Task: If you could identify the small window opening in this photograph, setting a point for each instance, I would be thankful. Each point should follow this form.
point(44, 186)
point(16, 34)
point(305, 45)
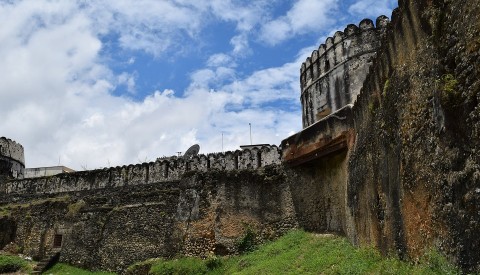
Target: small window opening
point(57, 241)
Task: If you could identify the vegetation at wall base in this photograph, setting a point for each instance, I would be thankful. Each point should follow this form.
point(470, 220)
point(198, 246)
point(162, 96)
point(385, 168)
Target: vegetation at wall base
point(247, 242)
point(10, 264)
point(299, 252)
point(65, 269)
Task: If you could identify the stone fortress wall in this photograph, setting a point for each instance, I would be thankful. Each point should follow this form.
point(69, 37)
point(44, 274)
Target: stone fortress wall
point(333, 76)
point(386, 172)
point(12, 160)
point(110, 218)
point(162, 170)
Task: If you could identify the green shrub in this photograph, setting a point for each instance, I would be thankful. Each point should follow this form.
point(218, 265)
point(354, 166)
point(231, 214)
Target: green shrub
point(449, 84)
point(141, 268)
point(449, 95)
point(74, 208)
point(62, 269)
point(434, 262)
point(10, 264)
point(213, 262)
point(247, 242)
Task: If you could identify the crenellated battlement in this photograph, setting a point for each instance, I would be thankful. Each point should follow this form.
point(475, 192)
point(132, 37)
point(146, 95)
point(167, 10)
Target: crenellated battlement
point(334, 73)
point(162, 170)
point(397, 170)
point(12, 160)
point(11, 149)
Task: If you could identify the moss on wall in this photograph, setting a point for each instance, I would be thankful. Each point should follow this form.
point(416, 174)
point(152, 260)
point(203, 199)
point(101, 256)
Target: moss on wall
point(413, 173)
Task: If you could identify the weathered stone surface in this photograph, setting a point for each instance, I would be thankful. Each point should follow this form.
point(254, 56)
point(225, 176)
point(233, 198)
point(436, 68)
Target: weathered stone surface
point(12, 160)
point(403, 174)
point(163, 170)
point(413, 173)
point(412, 180)
point(333, 76)
point(319, 191)
point(201, 214)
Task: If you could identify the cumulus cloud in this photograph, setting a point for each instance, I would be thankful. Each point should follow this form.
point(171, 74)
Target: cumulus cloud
point(160, 27)
point(60, 98)
point(220, 59)
point(372, 8)
point(245, 14)
point(127, 80)
point(152, 26)
point(240, 45)
point(268, 85)
point(58, 95)
point(304, 16)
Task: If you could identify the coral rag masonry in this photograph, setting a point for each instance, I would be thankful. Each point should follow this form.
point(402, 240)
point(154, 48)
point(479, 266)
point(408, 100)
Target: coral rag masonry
point(389, 156)
point(332, 77)
point(163, 170)
point(111, 218)
point(12, 160)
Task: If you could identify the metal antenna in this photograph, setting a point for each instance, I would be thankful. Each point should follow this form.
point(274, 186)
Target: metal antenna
point(192, 151)
point(250, 124)
point(222, 143)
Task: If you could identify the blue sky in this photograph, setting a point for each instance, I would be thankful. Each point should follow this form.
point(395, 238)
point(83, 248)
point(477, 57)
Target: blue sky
point(92, 84)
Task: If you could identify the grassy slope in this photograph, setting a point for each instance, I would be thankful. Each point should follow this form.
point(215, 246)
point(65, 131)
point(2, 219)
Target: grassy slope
point(297, 252)
point(64, 269)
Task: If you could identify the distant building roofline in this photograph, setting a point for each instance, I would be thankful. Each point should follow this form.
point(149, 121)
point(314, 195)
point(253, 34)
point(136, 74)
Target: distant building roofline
point(64, 168)
point(46, 171)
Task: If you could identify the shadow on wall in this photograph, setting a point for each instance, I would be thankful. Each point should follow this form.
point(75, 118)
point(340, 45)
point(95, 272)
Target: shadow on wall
point(8, 228)
point(319, 195)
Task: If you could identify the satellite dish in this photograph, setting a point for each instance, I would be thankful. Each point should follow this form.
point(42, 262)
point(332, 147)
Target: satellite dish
point(192, 151)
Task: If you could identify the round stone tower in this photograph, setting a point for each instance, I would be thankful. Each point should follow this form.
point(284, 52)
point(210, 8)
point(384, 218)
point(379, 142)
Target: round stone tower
point(12, 160)
point(333, 76)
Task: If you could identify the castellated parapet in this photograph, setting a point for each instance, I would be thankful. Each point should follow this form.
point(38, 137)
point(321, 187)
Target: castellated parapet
point(12, 160)
point(333, 76)
point(162, 170)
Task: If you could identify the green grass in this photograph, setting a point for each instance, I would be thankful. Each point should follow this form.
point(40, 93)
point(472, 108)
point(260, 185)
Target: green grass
point(9, 263)
point(64, 269)
point(299, 252)
point(180, 266)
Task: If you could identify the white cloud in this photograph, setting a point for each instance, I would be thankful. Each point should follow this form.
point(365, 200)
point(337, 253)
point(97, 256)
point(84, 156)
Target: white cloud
point(127, 80)
point(147, 25)
point(57, 92)
point(372, 8)
point(268, 85)
point(209, 77)
point(304, 16)
point(220, 59)
point(159, 27)
point(245, 14)
point(240, 45)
